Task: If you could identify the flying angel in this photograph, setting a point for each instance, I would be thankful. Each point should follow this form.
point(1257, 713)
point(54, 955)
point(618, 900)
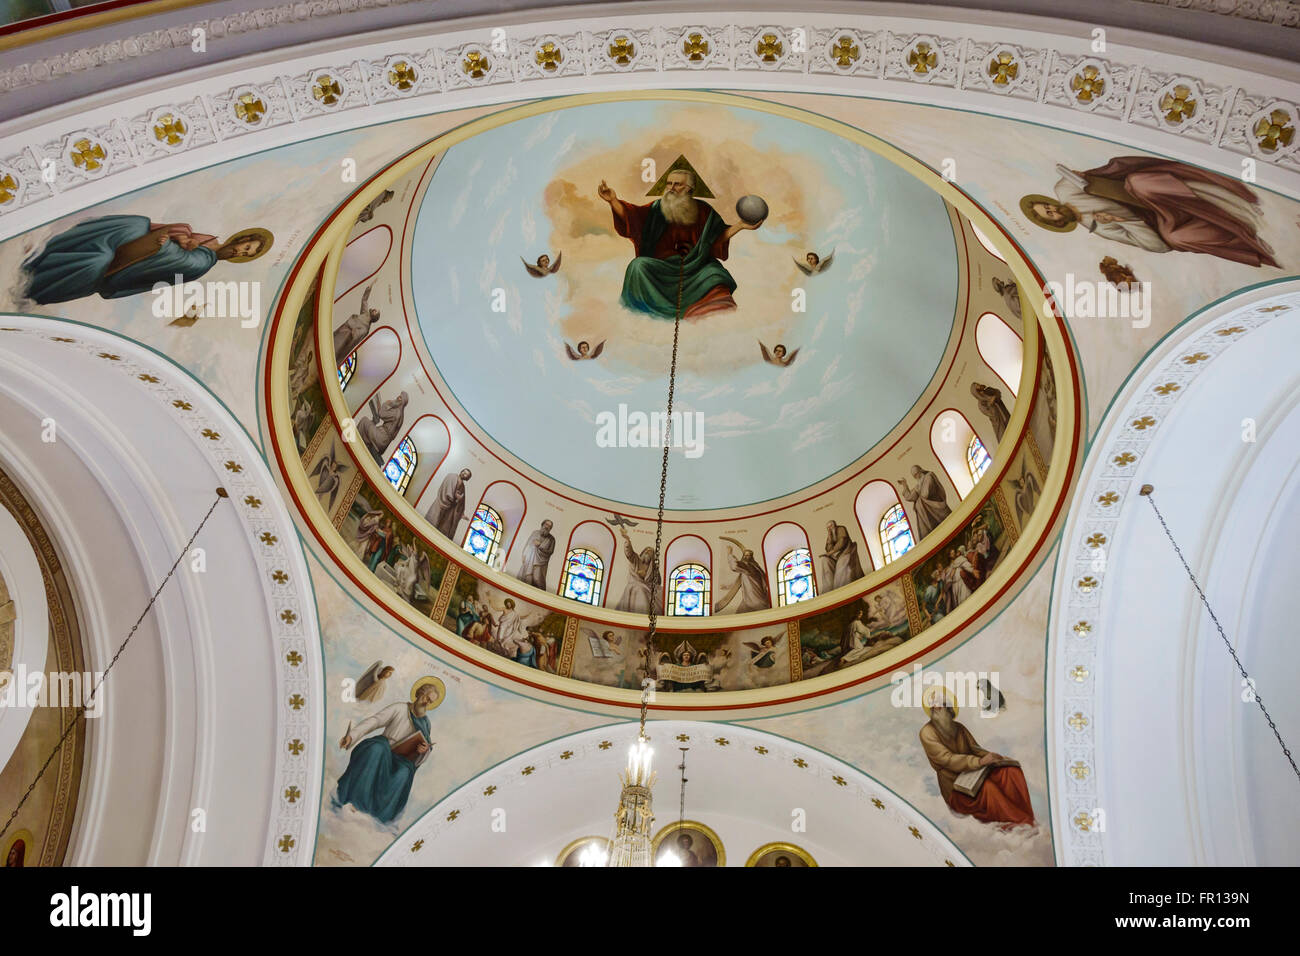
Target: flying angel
point(327, 474)
point(584, 351)
point(777, 356)
point(814, 263)
point(763, 654)
point(544, 267)
point(370, 685)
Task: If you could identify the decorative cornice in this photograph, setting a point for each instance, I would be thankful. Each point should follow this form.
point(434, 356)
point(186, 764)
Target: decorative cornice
point(1251, 115)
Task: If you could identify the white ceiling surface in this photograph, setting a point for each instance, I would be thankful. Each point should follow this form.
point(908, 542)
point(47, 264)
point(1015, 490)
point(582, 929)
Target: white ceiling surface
point(26, 587)
point(1188, 769)
point(190, 715)
point(748, 798)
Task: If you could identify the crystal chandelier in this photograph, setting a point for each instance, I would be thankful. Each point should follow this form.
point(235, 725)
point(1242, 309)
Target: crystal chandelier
point(635, 814)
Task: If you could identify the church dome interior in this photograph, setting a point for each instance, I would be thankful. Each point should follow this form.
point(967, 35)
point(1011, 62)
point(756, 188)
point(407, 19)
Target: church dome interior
point(700, 435)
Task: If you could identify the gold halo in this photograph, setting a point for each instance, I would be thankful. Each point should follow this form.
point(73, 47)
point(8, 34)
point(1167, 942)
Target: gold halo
point(927, 698)
point(1027, 207)
point(424, 681)
point(688, 825)
point(264, 234)
point(788, 848)
point(28, 841)
point(578, 844)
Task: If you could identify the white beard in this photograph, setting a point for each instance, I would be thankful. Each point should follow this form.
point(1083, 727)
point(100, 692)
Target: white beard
point(680, 209)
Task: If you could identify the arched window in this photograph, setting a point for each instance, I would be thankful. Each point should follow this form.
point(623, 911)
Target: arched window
point(584, 576)
point(895, 533)
point(977, 459)
point(346, 370)
point(688, 590)
point(401, 466)
point(483, 540)
point(794, 577)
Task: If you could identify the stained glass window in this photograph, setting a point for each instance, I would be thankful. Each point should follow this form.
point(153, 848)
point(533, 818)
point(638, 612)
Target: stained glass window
point(794, 577)
point(895, 533)
point(584, 575)
point(348, 367)
point(401, 466)
point(688, 590)
point(977, 459)
point(483, 540)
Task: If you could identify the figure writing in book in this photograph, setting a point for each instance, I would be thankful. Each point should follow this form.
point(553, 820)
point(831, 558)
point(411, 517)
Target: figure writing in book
point(381, 768)
point(974, 781)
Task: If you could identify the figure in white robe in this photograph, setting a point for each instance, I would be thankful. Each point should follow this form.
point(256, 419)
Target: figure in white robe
point(643, 578)
point(750, 583)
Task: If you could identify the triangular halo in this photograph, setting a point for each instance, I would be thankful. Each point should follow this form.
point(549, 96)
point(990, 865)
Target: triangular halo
point(681, 162)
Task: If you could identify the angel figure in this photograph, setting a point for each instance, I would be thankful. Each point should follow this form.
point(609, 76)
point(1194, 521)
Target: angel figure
point(584, 351)
point(413, 575)
point(777, 356)
point(763, 654)
point(1027, 490)
point(604, 645)
point(370, 685)
point(544, 267)
point(327, 474)
point(815, 263)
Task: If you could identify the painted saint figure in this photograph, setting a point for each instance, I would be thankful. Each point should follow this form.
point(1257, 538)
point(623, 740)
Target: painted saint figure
point(448, 509)
point(1160, 205)
point(383, 425)
point(643, 578)
point(840, 564)
point(750, 583)
point(973, 781)
point(382, 768)
point(928, 498)
point(115, 256)
point(679, 241)
point(354, 328)
point(537, 555)
point(994, 409)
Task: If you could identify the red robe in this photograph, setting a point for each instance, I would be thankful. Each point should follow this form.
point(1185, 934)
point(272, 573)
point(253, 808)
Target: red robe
point(1004, 796)
point(676, 238)
point(1156, 189)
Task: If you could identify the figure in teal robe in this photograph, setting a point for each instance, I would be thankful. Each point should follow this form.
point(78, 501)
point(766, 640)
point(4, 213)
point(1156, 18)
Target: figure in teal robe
point(665, 251)
point(76, 262)
point(378, 781)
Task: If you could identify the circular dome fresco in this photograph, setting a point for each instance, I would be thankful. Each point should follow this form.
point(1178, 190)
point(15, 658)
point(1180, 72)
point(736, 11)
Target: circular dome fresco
point(809, 337)
point(483, 331)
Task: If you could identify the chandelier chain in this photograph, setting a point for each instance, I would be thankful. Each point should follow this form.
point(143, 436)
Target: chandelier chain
point(1146, 493)
point(81, 708)
point(663, 471)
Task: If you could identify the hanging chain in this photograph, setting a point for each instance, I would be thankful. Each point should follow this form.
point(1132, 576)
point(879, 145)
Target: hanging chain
point(1146, 493)
point(657, 589)
point(81, 708)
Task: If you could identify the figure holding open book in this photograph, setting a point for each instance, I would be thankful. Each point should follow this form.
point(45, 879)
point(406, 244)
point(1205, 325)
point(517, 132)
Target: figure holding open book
point(382, 768)
point(974, 781)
